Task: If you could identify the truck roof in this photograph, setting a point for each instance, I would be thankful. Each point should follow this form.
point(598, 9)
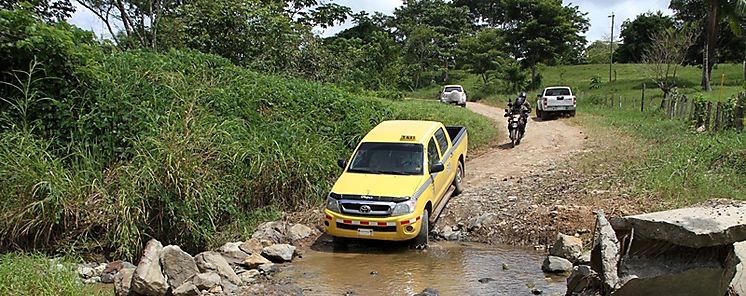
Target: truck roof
point(402, 131)
point(453, 85)
point(557, 87)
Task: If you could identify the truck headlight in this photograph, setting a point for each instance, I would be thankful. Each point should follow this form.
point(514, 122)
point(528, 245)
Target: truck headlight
point(405, 207)
point(332, 204)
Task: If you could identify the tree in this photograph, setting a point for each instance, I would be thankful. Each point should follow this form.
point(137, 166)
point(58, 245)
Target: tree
point(598, 52)
point(48, 10)
point(482, 52)
point(638, 33)
point(713, 14)
point(429, 31)
point(666, 54)
point(543, 31)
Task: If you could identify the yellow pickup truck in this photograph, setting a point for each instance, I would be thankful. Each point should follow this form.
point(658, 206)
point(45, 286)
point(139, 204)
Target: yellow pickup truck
point(397, 181)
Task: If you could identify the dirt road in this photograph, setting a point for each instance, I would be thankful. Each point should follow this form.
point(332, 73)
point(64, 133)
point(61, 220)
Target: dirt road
point(545, 142)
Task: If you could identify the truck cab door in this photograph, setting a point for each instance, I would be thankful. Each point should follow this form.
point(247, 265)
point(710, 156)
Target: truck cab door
point(441, 180)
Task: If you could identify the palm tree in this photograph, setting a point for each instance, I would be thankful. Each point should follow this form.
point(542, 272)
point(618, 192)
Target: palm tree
point(718, 10)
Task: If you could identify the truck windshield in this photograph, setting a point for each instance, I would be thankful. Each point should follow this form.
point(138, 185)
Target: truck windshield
point(388, 158)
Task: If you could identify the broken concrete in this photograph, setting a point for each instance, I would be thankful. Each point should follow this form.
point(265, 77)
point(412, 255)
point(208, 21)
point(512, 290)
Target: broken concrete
point(738, 284)
point(605, 253)
point(695, 227)
point(583, 281)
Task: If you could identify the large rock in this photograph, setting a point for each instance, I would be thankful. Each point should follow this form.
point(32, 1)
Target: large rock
point(186, 289)
point(177, 265)
point(583, 281)
point(554, 264)
point(214, 262)
point(271, 231)
point(475, 223)
point(694, 227)
point(233, 253)
point(279, 253)
point(249, 275)
point(299, 232)
point(254, 260)
point(123, 282)
point(676, 270)
point(605, 254)
point(738, 284)
point(568, 247)
point(251, 246)
point(205, 281)
point(148, 278)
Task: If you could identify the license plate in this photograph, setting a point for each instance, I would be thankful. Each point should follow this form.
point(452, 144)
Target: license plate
point(365, 232)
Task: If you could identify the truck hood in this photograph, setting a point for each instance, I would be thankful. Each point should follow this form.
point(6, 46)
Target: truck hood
point(377, 185)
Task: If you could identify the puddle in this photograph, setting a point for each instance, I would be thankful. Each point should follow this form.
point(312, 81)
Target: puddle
point(452, 268)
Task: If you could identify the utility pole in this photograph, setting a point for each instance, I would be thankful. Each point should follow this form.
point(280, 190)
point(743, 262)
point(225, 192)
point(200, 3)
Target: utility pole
point(611, 45)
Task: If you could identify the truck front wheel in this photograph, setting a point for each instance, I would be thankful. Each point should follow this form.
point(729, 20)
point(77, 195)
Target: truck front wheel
point(420, 242)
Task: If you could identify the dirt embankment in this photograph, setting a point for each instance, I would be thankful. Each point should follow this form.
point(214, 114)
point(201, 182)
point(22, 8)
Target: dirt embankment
point(526, 194)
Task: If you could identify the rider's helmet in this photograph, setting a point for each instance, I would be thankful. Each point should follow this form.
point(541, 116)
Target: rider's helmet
point(521, 98)
point(522, 94)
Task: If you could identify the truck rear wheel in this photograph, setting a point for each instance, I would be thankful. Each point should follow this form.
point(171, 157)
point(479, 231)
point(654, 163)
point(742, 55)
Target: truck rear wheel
point(458, 188)
point(572, 113)
point(538, 113)
point(421, 241)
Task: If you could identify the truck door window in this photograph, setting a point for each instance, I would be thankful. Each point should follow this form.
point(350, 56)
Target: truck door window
point(432, 152)
point(442, 141)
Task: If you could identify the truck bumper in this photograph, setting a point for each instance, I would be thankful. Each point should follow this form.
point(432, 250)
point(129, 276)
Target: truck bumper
point(558, 108)
point(400, 228)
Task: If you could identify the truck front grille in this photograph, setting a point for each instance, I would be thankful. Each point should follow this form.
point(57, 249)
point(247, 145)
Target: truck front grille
point(373, 209)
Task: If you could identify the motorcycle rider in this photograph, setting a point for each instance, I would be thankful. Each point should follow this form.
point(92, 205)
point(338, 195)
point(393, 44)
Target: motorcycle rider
point(523, 107)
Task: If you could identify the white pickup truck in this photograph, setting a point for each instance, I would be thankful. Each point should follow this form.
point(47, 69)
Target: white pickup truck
point(555, 99)
point(453, 94)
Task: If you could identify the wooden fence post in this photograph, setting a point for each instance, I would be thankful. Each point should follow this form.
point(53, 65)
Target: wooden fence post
point(718, 117)
point(738, 112)
point(708, 110)
point(612, 101)
point(620, 102)
point(697, 114)
point(642, 101)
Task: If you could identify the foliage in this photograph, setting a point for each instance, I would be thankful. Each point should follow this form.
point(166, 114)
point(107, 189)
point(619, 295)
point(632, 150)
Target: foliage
point(666, 54)
point(516, 78)
point(24, 274)
point(638, 35)
point(482, 52)
point(598, 52)
point(596, 82)
point(49, 10)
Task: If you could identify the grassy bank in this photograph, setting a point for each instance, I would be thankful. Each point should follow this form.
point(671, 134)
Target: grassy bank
point(183, 147)
point(33, 274)
point(664, 159)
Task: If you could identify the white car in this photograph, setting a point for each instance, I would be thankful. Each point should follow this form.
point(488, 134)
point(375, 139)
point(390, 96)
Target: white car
point(453, 94)
point(555, 99)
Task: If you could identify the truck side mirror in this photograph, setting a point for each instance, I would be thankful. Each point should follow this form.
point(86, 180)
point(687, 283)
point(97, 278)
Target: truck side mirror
point(342, 163)
point(437, 168)
point(538, 96)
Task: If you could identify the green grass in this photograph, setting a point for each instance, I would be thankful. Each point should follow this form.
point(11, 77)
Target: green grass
point(183, 147)
point(675, 163)
point(24, 274)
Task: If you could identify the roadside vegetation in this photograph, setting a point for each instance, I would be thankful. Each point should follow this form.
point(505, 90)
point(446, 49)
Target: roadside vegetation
point(25, 274)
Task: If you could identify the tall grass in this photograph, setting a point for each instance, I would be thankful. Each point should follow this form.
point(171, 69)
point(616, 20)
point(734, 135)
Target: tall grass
point(183, 147)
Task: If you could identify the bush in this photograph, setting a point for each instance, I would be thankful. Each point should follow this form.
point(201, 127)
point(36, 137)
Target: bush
point(33, 275)
point(595, 82)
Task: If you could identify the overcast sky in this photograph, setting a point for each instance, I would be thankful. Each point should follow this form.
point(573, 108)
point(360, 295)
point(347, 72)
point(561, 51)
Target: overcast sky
point(598, 13)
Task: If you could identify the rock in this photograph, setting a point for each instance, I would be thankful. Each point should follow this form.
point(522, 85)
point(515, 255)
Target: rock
point(107, 278)
point(476, 222)
point(254, 260)
point(299, 232)
point(92, 280)
point(99, 270)
point(214, 262)
point(178, 266)
point(738, 284)
point(85, 272)
point(554, 264)
point(605, 254)
point(271, 231)
point(505, 266)
point(568, 247)
point(251, 246)
point(228, 287)
point(279, 253)
point(701, 129)
point(115, 266)
point(205, 281)
point(233, 253)
point(695, 227)
point(148, 278)
point(186, 289)
point(512, 198)
point(215, 290)
point(486, 280)
point(249, 276)
point(268, 268)
point(123, 282)
point(583, 281)
point(448, 234)
point(428, 292)
point(126, 264)
point(584, 259)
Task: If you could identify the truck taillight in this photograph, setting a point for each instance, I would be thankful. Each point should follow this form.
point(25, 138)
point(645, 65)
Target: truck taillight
point(545, 101)
point(573, 101)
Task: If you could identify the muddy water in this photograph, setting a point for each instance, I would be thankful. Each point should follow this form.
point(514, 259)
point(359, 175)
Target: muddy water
point(451, 268)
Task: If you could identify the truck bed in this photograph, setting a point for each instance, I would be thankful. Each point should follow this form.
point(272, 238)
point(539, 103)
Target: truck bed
point(455, 132)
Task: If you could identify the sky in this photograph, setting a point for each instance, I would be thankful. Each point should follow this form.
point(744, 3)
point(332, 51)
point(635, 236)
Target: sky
point(598, 13)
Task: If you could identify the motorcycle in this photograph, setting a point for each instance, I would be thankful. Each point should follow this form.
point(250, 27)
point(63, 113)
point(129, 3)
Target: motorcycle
point(516, 126)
